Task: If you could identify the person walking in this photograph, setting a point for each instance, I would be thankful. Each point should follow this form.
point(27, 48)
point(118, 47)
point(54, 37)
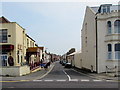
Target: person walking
point(10, 60)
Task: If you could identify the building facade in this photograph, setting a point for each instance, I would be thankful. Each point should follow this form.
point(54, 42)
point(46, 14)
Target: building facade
point(100, 38)
point(14, 43)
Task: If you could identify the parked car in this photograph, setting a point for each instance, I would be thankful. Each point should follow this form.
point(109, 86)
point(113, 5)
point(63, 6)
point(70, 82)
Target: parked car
point(63, 63)
point(60, 61)
point(68, 65)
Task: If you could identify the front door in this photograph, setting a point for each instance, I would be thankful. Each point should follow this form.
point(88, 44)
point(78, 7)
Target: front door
point(4, 58)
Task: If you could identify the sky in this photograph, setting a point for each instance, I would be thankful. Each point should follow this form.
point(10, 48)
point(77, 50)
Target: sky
point(54, 25)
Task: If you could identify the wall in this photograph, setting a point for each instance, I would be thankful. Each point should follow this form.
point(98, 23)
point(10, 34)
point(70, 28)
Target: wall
point(15, 70)
point(20, 44)
point(78, 60)
point(89, 48)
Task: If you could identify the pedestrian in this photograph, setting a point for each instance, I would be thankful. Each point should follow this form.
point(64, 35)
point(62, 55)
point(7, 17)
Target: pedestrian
point(46, 66)
point(10, 60)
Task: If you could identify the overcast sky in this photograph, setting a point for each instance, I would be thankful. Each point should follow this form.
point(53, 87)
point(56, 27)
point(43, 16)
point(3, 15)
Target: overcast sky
point(55, 25)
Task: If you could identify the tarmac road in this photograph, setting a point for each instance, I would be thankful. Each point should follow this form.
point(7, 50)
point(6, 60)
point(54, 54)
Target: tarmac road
point(60, 77)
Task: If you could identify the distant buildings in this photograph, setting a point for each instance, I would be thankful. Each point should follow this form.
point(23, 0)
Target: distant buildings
point(100, 38)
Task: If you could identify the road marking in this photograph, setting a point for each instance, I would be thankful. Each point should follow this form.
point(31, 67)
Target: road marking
point(33, 78)
point(69, 78)
point(109, 81)
point(37, 80)
point(45, 73)
point(86, 74)
point(85, 80)
point(61, 80)
point(74, 80)
point(97, 80)
point(24, 80)
point(9, 81)
point(48, 80)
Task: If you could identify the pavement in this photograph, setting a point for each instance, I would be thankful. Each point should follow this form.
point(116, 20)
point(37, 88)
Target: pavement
point(37, 73)
point(103, 76)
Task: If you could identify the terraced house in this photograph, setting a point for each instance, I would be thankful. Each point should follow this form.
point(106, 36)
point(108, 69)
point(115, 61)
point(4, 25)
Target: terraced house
point(14, 45)
point(100, 38)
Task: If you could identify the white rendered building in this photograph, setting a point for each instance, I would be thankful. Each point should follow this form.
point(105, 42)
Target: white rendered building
point(101, 38)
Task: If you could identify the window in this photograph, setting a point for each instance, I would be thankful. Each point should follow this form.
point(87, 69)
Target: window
point(104, 9)
point(108, 8)
point(109, 47)
point(18, 56)
point(3, 36)
point(117, 26)
point(117, 47)
point(117, 51)
point(109, 27)
point(27, 43)
point(109, 51)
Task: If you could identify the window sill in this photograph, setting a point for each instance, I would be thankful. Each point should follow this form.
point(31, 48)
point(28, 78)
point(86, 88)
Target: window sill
point(113, 60)
point(113, 34)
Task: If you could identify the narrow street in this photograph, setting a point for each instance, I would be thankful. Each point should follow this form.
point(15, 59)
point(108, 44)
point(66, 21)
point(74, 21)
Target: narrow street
point(60, 77)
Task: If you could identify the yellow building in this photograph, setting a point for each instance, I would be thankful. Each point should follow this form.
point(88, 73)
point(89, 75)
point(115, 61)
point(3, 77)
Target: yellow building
point(14, 42)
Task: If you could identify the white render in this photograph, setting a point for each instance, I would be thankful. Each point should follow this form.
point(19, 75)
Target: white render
point(78, 60)
point(90, 43)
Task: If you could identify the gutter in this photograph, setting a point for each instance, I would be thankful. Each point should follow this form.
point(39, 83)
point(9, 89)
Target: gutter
point(96, 45)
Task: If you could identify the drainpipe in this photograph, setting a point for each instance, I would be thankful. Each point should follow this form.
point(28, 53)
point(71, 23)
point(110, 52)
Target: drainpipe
point(96, 45)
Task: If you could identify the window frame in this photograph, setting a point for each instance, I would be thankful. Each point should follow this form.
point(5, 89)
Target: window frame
point(117, 27)
point(3, 36)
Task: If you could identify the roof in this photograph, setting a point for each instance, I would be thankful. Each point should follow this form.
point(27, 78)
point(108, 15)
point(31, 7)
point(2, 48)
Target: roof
point(4, 20)
point(112, 7)
point(30, 37)
point(72, 54)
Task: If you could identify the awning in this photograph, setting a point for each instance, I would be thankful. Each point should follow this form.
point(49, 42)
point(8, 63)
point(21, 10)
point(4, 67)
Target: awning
point(33, 50)
point(7, 47)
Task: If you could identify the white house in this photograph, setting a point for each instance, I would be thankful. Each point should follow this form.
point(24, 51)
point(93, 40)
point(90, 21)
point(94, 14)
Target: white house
point(75, 59)
point(100, 38)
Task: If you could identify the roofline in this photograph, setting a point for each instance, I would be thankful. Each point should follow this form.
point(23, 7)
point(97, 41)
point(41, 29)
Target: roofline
point(15, 23)
point(30, 37)
point(5, 19)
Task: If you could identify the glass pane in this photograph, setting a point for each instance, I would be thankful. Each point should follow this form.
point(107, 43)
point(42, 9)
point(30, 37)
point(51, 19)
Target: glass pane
point(109, 55)
point(117, 26)
point(109, 47)
point(117, 55)
point(117, 47)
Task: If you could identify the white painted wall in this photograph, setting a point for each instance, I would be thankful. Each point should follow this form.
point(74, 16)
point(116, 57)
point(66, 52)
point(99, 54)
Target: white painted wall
point(15, 70)
point(104, 39)
point(89, 48)
point(78, 60)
